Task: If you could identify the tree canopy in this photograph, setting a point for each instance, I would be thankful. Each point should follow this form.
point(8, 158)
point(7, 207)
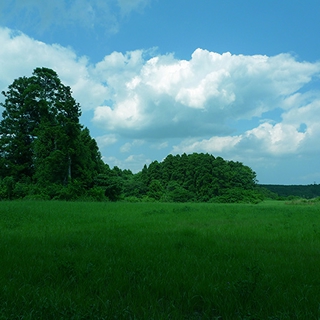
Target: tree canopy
point(195, 177)
point(42, 142)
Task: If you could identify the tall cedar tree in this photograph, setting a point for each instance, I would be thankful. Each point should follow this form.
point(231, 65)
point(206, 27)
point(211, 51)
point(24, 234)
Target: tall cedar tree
point(40, 134)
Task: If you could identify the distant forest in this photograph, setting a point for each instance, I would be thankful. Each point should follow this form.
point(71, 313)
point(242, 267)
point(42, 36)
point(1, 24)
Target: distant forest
point(45, 153)
point(303, 191)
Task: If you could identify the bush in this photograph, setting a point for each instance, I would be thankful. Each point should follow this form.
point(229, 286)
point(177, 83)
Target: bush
point(21, 190)
point(32, 197)
point(73, 191)
point(155, 190)
point(132, 199)
point(176, 193)
point(147, 199)
point(238, 195)
point(7, 186)
point(96, 194)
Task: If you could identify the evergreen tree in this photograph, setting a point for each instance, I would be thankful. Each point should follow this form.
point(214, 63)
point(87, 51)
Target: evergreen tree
point(39, 127)
point(58, 130)
point(87, 163)
point(17, 129)
point(111, 182)
point(41, 138)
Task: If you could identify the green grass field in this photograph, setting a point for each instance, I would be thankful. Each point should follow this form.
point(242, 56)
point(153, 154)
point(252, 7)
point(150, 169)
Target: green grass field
point(64, 260)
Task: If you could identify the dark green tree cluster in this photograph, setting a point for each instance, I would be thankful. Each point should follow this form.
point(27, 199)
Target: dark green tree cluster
point(282, 192)
point(194, 177)
point(44, 150)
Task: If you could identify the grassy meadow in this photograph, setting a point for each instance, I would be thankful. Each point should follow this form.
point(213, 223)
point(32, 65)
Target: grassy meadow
point(81, 260)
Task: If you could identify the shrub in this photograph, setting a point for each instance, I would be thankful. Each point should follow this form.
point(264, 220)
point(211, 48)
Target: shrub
point(21, 190)
point(238, 195)
point(132, 199)
point(147, 199)
point(96, 193)
point(32, 197)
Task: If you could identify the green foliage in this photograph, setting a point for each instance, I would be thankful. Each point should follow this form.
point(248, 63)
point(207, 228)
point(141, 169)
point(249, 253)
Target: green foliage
point(96, 194)
point(195, 177)
point(303, 191)
point(87, 161)
point(111, 184)
point(6, 188)
point(132, 199)
point(72, 191)
point(292, 200)
point(238, 195)
point(155, 190)
point(267, 194)
point(42, 143)
point(134, 186)
point(176, 193)
point(39, 127)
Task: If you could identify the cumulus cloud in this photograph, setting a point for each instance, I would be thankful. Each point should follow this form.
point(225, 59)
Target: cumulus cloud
point(89, 14)
point(213, 145)
point(267, 140)
point(164, 96)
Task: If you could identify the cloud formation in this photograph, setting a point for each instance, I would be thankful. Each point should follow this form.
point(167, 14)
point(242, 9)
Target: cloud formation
point(296, 135)
point(106, 140)
point(166, 97)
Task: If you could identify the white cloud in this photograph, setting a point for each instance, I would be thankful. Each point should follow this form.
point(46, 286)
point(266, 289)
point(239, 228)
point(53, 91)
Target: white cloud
point(267, 140)
point(273, 140)
point(166, 96)
point(135, 162)
point(161, 145)
point(106, 140)
point(214, 145)
point(131, 145)
point(113, 161)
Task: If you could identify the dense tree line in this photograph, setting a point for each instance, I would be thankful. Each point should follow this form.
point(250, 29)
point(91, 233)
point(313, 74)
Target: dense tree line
point(284, 191)
point(194, 177)
point(46, 153)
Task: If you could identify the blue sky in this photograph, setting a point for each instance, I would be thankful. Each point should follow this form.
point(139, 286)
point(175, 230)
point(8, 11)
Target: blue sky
point(234, 78)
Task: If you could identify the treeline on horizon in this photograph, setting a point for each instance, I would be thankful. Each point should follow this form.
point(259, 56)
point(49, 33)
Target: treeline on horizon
point(280, 192)
point(45, 153)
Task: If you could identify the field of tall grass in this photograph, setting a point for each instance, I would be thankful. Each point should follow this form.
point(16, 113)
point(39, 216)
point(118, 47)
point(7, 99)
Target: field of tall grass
point(78, 260)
